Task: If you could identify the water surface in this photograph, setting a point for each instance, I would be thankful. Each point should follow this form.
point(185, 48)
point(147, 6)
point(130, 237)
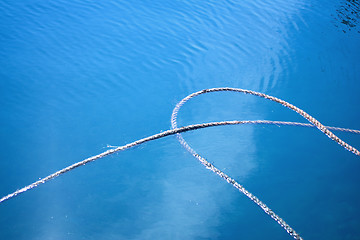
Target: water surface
point(78, 75)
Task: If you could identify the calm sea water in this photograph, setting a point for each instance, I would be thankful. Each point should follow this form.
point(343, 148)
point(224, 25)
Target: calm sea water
point(76, 76)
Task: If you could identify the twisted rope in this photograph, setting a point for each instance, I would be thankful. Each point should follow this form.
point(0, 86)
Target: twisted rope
point(252, 197)
point(208, 165)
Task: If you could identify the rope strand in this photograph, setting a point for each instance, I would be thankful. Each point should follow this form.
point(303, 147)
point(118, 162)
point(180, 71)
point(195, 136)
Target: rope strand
point(211, 167)
point(177, 130)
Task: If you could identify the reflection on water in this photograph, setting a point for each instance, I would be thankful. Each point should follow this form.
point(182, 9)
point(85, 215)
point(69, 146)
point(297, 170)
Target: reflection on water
point(78, 75)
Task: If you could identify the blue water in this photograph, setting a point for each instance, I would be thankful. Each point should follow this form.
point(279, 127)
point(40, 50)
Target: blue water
point(78, 75)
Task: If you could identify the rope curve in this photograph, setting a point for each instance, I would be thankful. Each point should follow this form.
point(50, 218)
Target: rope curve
point(230, 180)
point(178, 130)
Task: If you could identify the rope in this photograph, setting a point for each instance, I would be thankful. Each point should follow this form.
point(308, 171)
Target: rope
point(211, 167)
point(208, 165)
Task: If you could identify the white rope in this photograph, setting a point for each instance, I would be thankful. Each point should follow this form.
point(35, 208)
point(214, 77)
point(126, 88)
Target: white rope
point(230, 180)
point(208, 165)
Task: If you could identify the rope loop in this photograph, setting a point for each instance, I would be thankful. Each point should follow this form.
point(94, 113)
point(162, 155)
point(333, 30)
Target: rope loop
point(177, 130)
